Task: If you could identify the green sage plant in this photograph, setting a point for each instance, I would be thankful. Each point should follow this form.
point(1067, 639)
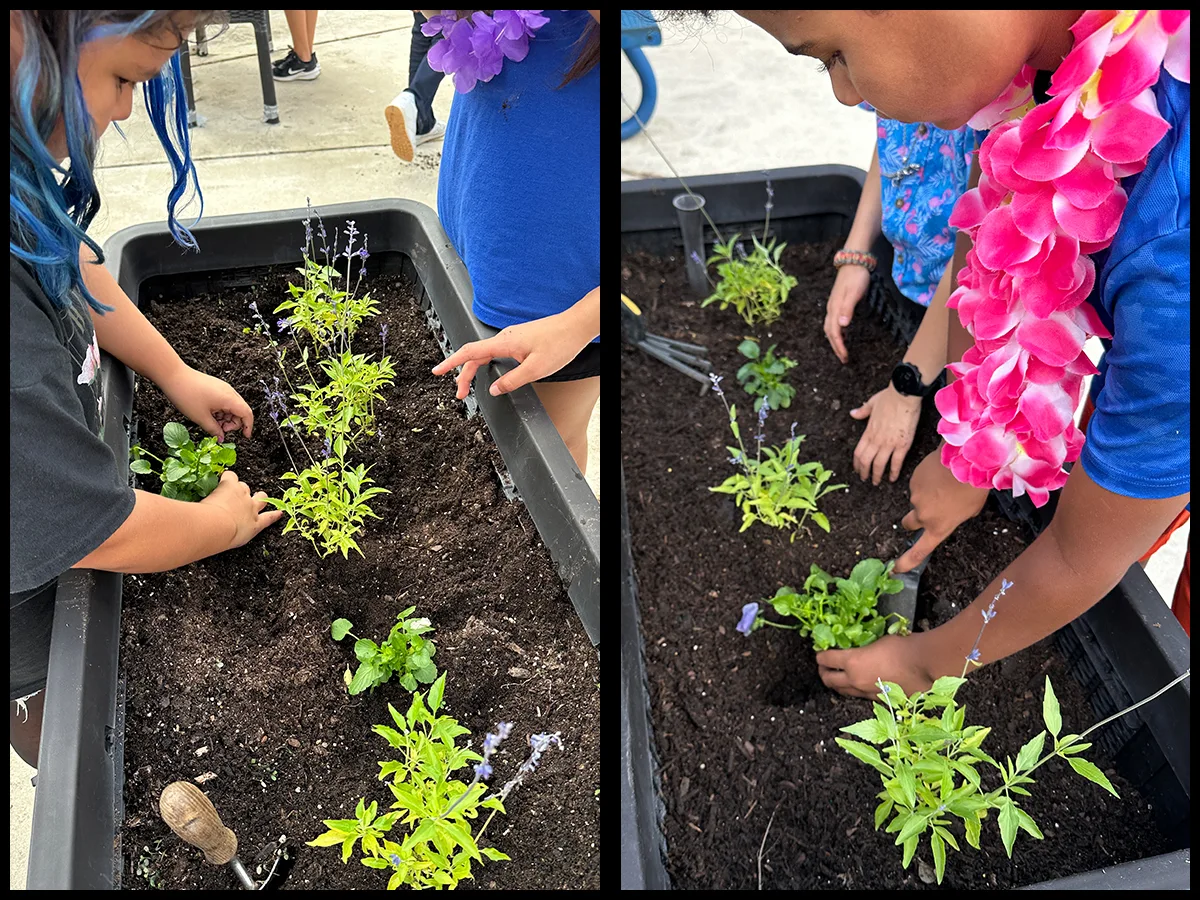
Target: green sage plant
point(435, 809)
point(763, 376)
point(754, 285)
point(774, 487)
point(328, 503)
point(836, 612)
point(929, 759)
point(189, 472)
point(404, 653)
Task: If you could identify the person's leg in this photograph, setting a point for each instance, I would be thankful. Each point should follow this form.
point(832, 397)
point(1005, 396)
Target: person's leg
point(311, 29)
point(569, 405)
point(423, 80)
point(25, 727)
point(297, 20)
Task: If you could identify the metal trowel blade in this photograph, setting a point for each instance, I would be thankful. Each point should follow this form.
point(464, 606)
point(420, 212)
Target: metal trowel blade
point(905, 602)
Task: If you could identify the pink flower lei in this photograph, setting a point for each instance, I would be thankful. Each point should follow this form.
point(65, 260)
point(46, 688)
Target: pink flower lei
point(1049, 194)
point(474, 49)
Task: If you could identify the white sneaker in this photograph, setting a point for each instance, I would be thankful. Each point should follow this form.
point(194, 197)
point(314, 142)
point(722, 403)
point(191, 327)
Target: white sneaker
point(436, 133)
point(401, 115)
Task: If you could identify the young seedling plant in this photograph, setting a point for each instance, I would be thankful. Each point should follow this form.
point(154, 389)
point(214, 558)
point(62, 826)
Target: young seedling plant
point(434, 808)
point(328, 501)
point(929, 759)
point(754, 285)
point(764, 376)
point(839, 612)
point(189, 472)
point(405, 653)
point(774, 487)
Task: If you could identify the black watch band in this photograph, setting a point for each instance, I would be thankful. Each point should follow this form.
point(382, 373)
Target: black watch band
point(906, 379)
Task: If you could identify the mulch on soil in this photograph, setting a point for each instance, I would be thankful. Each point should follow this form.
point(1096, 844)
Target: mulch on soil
point(743, 726)
point(230, 667)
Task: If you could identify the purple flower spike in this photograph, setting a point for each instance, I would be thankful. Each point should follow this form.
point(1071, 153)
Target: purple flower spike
point(749, 613)
point(696, 258)
point(716, 383)
point(974, 657)
point(396, 861)
point(483, 771)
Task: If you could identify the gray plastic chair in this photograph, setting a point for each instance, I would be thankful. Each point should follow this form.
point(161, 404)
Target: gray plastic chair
point(261, 20)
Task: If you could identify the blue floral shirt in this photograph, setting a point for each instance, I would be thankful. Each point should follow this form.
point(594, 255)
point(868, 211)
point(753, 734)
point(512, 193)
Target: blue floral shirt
point(923, 171)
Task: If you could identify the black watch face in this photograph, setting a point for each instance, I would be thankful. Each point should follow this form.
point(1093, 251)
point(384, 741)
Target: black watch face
point(907, 380)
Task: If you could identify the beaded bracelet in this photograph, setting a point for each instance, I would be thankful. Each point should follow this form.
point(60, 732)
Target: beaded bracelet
point(854, 258)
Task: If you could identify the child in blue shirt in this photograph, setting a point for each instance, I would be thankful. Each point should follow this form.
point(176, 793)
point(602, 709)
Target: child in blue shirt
point(519, 197)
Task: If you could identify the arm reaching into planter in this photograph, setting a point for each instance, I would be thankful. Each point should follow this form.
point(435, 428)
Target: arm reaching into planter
point(1071, 566)
point(162, 534)
point(125, 333)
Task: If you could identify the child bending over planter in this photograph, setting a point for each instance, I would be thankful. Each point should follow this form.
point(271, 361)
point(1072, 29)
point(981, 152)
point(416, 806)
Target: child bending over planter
point(1076, 224)
point(917, 173)
point(70, 504)
point(519, 197)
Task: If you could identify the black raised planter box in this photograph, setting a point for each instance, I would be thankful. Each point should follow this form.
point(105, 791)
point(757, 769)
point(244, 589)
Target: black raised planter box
point(1123, 649)
point(79, 796)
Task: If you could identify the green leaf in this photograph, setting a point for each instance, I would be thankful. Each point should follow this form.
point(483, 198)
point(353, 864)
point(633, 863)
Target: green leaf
point(328, 839)
point(908, 784)
point(821, 521)
point(174, 470)
point(140, 467)
point(1026, 822)
point(170, 491)
point(375, 862)
point(340, 628)
point(207, 483)
point(1008, 825)
point(971, 825)
point(365, 649)
point(435, 693)
point(1050, 711)
point(1091, 773)
point(408, 682)
point(493, 853)
point(882, 810)
point(749, 349)
point(366, 676)
point(947, 686)
point(869, 730)
point(175, 435)
point(939, 856)
point(459, 835)
point(914, 827)
point(864, 753)
point(1031, 752)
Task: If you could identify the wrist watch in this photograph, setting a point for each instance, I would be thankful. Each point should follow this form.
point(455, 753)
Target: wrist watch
point(906, 379)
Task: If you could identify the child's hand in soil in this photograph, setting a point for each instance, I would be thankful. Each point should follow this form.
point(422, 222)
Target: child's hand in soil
point(209, 402)
point(891, 658)
point(233, 496)
point(848, 288)
point(541, 348)
point(893, 423)
point(940, 503)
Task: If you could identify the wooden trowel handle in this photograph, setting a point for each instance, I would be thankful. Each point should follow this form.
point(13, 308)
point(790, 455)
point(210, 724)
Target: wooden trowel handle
point(191, 816)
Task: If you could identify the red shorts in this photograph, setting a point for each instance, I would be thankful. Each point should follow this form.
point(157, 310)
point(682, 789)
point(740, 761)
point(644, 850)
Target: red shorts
point(1182, 604)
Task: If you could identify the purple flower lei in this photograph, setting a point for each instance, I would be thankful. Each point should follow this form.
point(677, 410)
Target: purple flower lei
point(474, 49)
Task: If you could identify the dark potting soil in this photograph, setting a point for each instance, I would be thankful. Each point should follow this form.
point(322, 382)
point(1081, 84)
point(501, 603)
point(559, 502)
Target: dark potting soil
point(230, 667)
point(743, 726)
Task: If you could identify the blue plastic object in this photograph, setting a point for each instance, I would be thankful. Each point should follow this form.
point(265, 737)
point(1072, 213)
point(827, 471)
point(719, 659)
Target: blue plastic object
point(638, 29)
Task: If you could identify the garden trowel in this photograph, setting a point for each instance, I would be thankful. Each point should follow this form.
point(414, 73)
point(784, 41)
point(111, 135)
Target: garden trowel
point(191, 815)
point(905, 602)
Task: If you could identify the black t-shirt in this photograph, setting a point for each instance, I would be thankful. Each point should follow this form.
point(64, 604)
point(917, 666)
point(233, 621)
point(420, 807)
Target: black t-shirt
point(67, 492)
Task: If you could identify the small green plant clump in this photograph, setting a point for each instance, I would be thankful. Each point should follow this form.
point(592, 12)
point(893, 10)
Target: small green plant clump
point(836, 612)
point(764, 376)
point(435, 809)
point(404, 653)
point(774, 487)
point(189, 472)
point(754, 285)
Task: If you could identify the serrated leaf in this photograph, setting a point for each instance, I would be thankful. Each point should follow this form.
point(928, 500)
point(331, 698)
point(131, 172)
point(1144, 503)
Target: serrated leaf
point(864, 753)
point(869, 730)
point(1091, 773)
point(1031, 752)
point(364, 678)
point(1050, 710)
point(947, 686)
